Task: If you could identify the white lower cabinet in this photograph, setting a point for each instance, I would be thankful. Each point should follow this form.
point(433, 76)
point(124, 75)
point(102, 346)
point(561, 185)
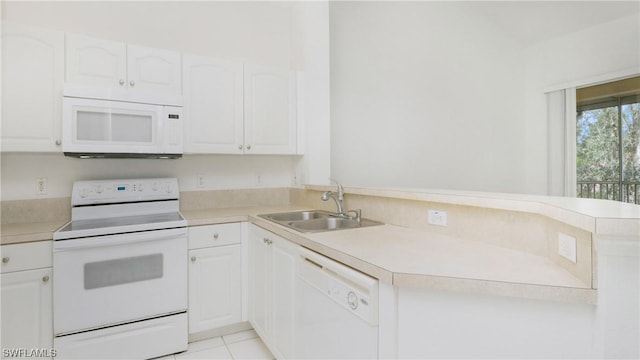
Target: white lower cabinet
point(272, 262)
point(27, 296)
point(215, 276)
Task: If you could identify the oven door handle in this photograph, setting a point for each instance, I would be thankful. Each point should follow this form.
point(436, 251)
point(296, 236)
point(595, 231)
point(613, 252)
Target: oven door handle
point(119, 239)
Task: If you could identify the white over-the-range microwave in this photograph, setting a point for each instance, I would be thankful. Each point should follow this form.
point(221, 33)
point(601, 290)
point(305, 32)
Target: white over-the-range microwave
point(105, 123)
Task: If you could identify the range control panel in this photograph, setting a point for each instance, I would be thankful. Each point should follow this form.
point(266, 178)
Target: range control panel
point(124, 190)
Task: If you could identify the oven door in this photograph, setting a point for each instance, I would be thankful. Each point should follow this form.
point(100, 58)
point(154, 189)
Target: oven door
point(109, 280)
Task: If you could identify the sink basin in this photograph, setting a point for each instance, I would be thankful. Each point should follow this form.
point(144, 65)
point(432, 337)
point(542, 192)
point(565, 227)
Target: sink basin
point(317, 221)
point(297, 216)
point(331, 223)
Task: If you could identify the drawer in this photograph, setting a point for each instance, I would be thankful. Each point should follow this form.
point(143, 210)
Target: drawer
point(214, 235)
point(26, 256)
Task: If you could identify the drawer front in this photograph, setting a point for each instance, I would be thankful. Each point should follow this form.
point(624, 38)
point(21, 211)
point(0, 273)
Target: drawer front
point(27, 256)
point(214, 235)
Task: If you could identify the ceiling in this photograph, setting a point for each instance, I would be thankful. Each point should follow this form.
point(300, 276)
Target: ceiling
point(531, 22)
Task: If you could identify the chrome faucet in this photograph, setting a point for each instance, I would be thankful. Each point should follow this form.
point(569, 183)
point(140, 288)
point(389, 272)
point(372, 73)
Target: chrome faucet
point(337, 197)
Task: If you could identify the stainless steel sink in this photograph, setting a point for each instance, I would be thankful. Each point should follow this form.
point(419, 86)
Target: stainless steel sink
point(297, 216)
point(317, 221)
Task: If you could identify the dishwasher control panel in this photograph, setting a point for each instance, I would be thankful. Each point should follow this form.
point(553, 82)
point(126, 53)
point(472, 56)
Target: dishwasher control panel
point(350, 298)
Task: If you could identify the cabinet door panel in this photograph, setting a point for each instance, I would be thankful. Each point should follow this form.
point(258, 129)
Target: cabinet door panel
point(32, 80)
point(259, 282)
point(154, 70)
point(215, 288)
point(284, 263)
point(95, 62)
point(27, 309)
point(213, 93)
point(270, 110)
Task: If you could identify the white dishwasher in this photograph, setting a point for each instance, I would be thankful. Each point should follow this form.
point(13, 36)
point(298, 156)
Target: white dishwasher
point(336, 310)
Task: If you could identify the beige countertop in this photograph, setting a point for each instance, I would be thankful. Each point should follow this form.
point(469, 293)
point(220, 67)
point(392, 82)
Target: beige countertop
point(400, 256)
point(28, 232)
point(408, 257)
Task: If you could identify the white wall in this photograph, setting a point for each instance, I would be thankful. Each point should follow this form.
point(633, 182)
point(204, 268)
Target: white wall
point(311, 52)
point(593, 54)
point(425, 94)
point(265, 33)
point(19, 172)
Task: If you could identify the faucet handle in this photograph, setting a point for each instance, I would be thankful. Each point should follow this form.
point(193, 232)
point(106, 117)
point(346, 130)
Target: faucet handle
point(358, 213)
point(340, 189)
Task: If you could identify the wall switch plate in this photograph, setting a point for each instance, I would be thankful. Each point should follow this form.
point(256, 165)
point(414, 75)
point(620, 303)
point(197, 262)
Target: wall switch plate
point(567, 247)
point(437, 217)
point(41, 186)
point(200, 181)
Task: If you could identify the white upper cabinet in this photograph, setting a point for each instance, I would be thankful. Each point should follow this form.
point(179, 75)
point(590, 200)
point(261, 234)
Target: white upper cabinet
point(213, 105)
point(32, 81)
point(111, 64)
point(154, 70)
point(97, 62)
point(269, 110)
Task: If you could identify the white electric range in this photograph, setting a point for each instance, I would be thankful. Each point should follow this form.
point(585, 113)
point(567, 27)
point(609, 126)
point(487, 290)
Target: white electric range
point(120, 271)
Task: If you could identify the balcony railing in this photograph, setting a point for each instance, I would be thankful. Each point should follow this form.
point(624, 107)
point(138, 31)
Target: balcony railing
point(626, 191)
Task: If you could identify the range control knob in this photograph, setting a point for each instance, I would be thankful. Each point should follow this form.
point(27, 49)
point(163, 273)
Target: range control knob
point(84, 192)
point(169, 188)
point(154, 186)
point(352, 299)
point(141, 187)
point(99, 189)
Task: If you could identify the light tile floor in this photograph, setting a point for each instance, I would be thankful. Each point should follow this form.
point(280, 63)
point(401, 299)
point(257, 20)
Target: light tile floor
point(241, 345)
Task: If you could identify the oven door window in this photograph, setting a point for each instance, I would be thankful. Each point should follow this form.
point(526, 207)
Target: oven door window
point(122, 271)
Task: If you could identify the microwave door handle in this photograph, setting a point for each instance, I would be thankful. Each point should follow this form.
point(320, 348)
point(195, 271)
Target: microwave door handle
point(112, 240)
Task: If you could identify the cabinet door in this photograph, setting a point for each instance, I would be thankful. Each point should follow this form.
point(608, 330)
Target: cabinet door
point(154, 70)
point(213, 92)
point(32, 80)
point(269, 110)
point(95, 62)
point(215, 289)
point(284, 255)
point(27, 309)
point(259, 281)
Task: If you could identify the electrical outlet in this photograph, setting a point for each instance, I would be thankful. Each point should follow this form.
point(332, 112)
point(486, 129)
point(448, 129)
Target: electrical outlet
point(437, 217)
point(567, 247)
point(41, 186)
point(200, 181)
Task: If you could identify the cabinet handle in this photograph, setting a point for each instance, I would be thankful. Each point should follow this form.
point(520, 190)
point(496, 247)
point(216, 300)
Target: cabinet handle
point(215, 236)
point(193, 259)
point(5, 260)
point(132, 83)
point(121, 82)
point(58, 142)
point(45, 278)
point(248, 147)
point(239, 147)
